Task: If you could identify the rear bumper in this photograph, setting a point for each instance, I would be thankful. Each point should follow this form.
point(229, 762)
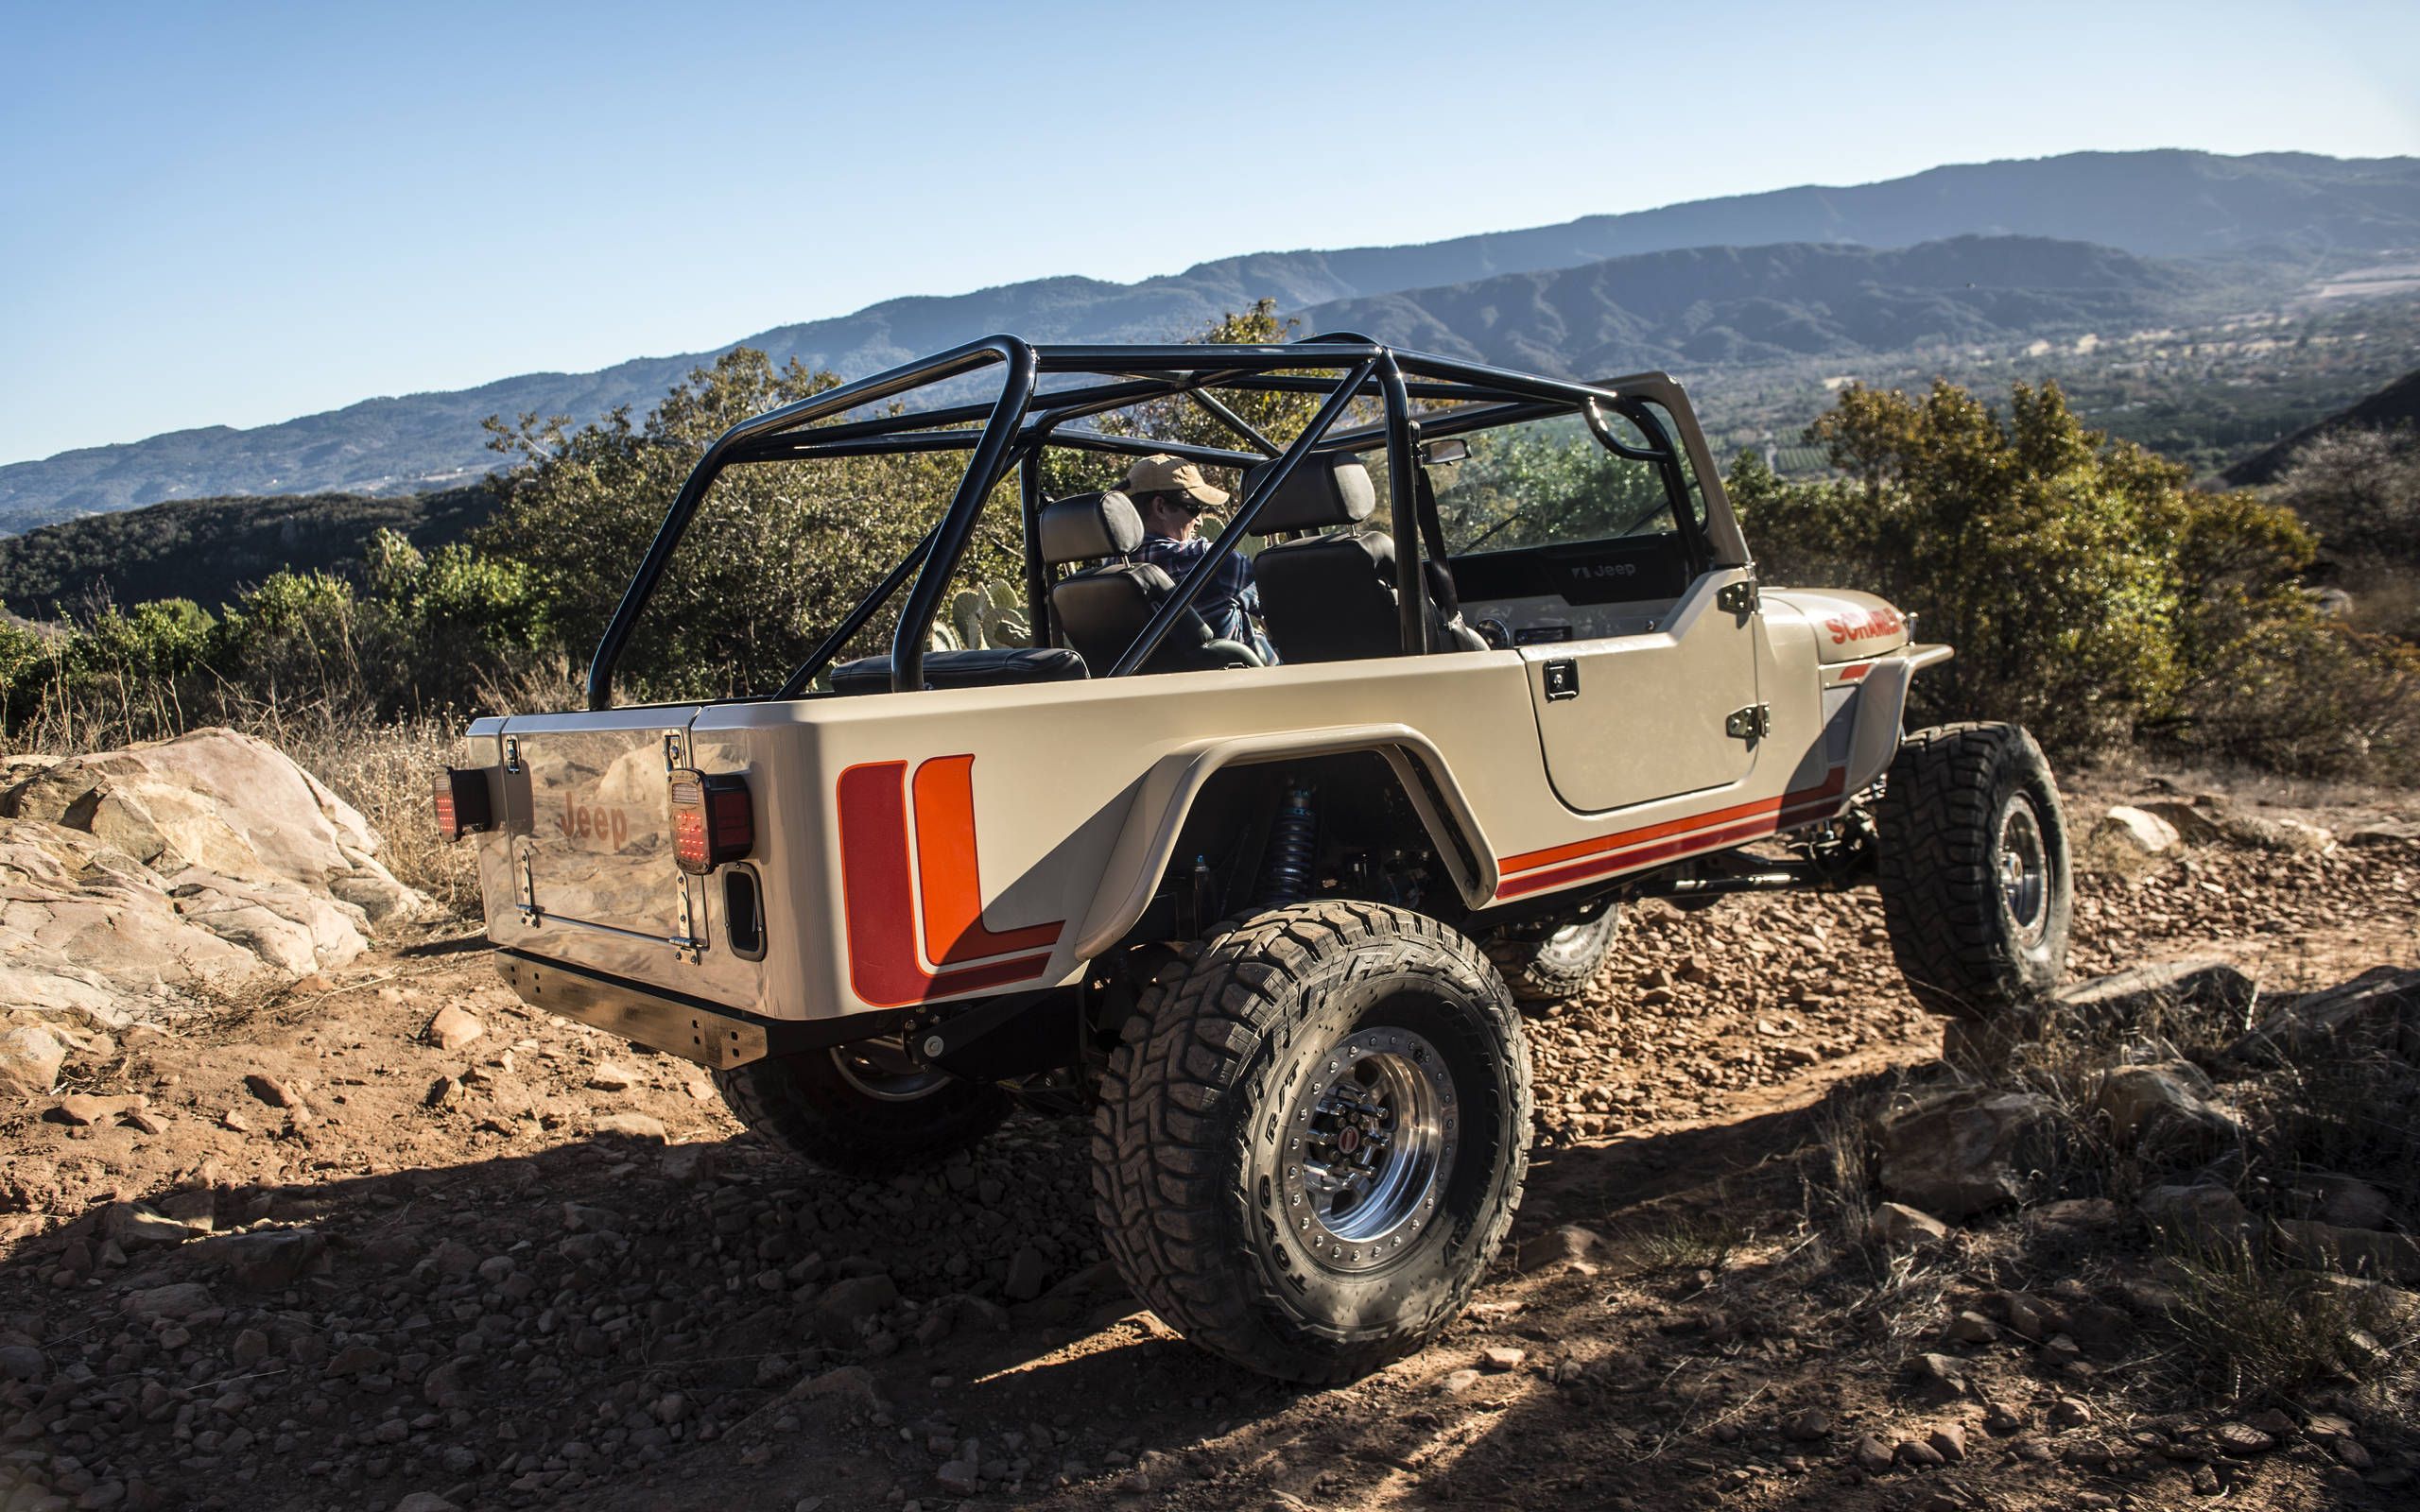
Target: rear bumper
point(674, 1022)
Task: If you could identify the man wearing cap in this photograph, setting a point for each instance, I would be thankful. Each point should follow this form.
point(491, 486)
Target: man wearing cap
point(1170, 493)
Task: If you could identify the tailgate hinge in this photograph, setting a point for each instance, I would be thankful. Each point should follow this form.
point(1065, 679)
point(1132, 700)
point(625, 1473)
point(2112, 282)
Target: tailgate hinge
point(1739, 598)
point(526, 877)
point(1752, 723)
point(691, 941)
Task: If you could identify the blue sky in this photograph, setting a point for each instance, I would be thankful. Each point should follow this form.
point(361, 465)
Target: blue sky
point(235, 213)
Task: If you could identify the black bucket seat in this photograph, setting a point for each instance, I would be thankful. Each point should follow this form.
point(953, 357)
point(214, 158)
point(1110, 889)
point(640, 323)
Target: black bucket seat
point(1102, 609)
point(1332, 597)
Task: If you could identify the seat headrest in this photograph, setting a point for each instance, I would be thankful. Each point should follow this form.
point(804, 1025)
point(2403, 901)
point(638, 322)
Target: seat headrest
point(1324, 490)
point(1088, 527)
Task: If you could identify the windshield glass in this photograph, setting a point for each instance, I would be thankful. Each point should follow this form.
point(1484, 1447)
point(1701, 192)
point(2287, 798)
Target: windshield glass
point(1549, 482)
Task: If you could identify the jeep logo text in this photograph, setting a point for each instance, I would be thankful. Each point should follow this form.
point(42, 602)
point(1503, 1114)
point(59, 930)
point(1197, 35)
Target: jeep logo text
point(583, 822)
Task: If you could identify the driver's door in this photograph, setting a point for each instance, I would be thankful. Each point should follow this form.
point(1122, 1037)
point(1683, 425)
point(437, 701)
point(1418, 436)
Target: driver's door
point(1633, 717)
point(1573, 546)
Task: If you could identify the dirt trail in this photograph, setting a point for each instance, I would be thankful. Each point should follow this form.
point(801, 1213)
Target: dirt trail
point(542, 1268)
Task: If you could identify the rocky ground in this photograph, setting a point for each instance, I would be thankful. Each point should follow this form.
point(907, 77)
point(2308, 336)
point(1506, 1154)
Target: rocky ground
point(384, 1239)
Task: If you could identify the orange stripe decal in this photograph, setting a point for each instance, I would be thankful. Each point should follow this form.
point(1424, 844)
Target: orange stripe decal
point(1856, 670)
point(946, 873)
point(1626, 849)
point(878, 896)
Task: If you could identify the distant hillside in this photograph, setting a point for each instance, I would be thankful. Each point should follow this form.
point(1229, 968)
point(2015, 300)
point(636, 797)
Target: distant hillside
point(1726, 304)
point(2397, 404)
point(210, 549)
point(2152, 204)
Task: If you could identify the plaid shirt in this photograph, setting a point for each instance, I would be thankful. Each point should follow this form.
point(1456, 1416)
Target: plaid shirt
point(1228, 600)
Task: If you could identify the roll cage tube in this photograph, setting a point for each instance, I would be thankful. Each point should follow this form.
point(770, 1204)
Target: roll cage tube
point(1002, 434)
point(936, 368)
point(1038, 432)
point(1403, 505)
point(958, 527)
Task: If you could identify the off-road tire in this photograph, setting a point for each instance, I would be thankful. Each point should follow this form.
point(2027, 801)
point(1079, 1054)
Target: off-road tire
point(803, 1104)
point(1945, 815)
point(1198, 1120)
point(1547, 963)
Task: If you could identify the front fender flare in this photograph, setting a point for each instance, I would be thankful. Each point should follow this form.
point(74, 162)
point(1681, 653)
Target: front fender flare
point(1882, 703)
point(1166, 792)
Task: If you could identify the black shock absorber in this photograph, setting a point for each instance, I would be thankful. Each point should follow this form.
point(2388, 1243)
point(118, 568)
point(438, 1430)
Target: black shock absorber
point(1292, 851)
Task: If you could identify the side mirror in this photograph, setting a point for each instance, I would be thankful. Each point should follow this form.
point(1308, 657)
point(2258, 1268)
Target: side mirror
point(1443, 452)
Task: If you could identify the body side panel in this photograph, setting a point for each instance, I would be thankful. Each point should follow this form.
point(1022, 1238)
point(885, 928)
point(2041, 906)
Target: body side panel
point(917, 848)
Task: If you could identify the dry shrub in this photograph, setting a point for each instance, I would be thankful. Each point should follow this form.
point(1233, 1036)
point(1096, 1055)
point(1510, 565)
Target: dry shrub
point(387, 772)
point(2256, 1330)
point(2314, 699)
point(1690, 1241)
point(2106, 853)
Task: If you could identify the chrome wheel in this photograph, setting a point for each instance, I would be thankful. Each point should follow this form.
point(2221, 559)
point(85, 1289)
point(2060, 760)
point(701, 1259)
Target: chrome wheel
point(2024, 868)
point(1369, 1141)
point(883, 1069)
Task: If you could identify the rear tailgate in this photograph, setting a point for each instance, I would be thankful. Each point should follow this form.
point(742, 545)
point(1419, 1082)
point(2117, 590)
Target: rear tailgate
point(582, 871)
point(598, 840)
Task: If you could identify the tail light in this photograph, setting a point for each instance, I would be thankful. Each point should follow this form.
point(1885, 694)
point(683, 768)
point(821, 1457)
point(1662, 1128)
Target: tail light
point(462, 804)
point(711, 821)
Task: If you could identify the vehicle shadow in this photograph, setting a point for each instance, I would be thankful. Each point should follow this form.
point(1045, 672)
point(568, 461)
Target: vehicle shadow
point(714, 1274)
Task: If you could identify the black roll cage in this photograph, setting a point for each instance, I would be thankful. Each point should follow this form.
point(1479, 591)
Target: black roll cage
point(1023, 418)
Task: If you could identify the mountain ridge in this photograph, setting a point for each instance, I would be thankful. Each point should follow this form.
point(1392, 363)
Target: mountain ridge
point(2164, 203)
point(1700, 306)
point(2397, 404)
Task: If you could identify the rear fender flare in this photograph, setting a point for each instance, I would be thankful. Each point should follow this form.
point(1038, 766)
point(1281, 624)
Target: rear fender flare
point(1166, 795)
point(1882, 704)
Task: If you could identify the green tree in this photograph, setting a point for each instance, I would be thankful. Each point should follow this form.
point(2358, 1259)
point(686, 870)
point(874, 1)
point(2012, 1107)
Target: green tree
point(295, 639)
point(2091, 592)
point(444, 626)
point(775, 556)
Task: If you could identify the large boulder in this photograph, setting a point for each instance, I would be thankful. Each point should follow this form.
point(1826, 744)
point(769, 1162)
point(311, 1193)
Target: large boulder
point(30, 1057)
point(2363, 1252)
point(2202, 1212)
point(2273, 833)
point(2167, 1103)
point(1962, 1153)
point(2194, 825)
point(2136, 831)
point(136, 883)
point(2378, 1010)
point(2383, 833)
point(214, 800)
point(85, 929)
point(2122, 997)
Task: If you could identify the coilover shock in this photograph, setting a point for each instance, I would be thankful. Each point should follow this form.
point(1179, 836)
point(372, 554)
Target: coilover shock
point(1286, 873)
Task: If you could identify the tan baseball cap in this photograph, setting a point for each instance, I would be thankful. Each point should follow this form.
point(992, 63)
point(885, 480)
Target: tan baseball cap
point(1163, 474)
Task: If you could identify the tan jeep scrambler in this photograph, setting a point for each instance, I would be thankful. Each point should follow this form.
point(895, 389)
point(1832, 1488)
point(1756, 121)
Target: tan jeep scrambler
point(1268, 923)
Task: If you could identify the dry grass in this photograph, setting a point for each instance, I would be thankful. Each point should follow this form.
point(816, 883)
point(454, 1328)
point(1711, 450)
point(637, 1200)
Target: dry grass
point(387, 771)
point(2252, 1323)
point(2112, 775)
point(1698, 1241)
point(2259, 1331)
